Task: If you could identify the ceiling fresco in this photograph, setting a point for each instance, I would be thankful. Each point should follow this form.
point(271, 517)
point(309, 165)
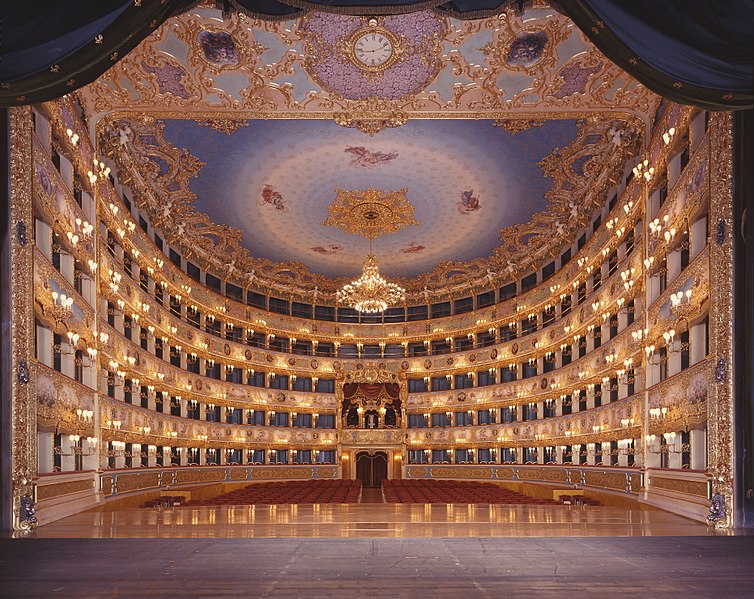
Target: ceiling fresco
point(273, 180)
point(236, 133)
point(489, 202)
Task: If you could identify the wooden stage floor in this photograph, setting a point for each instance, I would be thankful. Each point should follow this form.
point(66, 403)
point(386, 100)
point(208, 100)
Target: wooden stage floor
point(378, 550)
point(373, 520)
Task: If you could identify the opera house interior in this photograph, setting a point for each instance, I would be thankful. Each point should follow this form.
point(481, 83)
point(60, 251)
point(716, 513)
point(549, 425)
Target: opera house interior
point(289, 272)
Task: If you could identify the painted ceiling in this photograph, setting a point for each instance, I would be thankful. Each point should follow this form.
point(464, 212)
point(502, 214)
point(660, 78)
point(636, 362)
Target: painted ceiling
point(238, 131)
point(273, 180)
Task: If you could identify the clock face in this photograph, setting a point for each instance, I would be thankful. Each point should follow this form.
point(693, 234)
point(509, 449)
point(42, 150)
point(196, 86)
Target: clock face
point(373, 49)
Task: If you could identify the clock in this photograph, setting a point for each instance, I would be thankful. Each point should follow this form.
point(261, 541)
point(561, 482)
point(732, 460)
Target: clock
point(373, 48)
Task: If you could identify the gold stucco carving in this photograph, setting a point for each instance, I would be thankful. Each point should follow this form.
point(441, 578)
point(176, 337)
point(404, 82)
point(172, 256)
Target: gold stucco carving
point(66, 488)
point(23, 405)
point(720, 403)
point(686, 487)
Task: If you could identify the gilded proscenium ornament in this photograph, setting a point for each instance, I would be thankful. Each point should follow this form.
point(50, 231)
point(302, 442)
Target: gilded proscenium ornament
point(721, 400)
point(370, 123)
point(23, 406)
point(371, 212)
point(267, 84)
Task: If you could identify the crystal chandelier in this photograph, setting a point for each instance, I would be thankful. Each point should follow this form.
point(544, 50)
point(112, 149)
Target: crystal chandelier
point(370, 293)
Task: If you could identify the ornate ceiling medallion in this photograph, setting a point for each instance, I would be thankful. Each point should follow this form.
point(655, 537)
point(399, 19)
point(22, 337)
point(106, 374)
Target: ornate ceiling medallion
point(370, 212)
point(389, 57)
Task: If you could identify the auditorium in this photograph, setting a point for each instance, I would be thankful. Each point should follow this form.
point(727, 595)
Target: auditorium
point(377, 297)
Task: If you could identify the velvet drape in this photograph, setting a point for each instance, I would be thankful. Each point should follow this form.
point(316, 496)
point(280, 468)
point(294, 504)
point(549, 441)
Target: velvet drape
point(691, 51)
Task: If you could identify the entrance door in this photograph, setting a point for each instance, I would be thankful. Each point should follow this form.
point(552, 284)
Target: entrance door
point(371, 469)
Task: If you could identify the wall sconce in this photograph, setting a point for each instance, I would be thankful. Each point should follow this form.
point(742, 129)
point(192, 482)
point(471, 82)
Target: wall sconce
point(63, 304)
point(658, 412)
point(72, 136)
point(643, 169)
point(85, 415)
point(77, 449)
point(73, 338)
point(676, 299)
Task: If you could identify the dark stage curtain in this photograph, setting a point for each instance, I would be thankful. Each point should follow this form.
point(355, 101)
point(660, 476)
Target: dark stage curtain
point(48, 49)
point(691, 51)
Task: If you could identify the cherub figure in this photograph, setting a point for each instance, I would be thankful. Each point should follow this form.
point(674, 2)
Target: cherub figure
point(468, 203)
point(366, 159)
point(273, 197)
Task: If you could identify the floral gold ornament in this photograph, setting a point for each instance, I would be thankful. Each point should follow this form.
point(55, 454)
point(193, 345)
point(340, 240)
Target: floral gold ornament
point(371, 212)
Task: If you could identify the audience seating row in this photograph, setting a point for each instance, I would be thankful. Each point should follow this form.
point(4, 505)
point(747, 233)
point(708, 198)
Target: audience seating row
point(311, 491)
point(349, 491)
point(451, 491)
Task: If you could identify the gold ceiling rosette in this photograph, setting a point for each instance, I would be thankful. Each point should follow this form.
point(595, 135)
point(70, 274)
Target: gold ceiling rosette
point(370, 213)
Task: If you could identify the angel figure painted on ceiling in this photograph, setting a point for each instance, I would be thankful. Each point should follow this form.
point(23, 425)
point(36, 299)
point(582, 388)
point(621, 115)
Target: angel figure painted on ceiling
point(412, 248)
point(366, 159)
point(273, 197)
point(468, 203)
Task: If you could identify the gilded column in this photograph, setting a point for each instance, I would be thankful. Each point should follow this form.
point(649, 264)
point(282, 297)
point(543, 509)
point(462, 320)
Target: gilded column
point(23, 406)
point(720, 400)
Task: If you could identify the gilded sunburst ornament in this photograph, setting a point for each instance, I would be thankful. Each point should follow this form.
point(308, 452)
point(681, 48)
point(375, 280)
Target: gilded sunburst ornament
point(371, 212)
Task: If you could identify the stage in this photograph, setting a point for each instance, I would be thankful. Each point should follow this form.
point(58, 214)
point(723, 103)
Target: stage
point(373, 520)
